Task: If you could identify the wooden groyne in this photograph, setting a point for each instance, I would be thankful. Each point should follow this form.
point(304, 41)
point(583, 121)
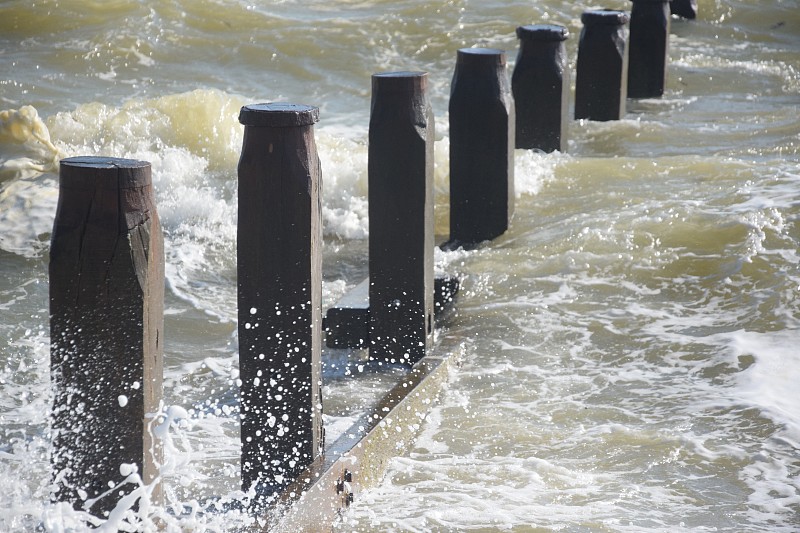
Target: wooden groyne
point(107, 269)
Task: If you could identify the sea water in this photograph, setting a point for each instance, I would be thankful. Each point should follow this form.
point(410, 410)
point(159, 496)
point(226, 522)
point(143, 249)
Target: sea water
point(629, 348)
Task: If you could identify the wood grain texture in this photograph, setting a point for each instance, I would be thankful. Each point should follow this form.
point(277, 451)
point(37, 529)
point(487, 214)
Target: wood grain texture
point(649, 48)
point(106, 329)
point(601, 80)
point(541, 87)
point(482, 133)
point(279, 239)
point(400, 173)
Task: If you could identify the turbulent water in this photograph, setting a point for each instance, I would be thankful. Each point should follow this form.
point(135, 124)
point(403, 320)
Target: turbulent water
point(629, 347)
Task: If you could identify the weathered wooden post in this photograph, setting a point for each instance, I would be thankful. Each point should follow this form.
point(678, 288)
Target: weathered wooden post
point(601, 80)
point(481, 147)
point(106, 330)
point(279, 240)
point(649, 43)
point(400, 169)
point(684, 8)
point(540, 84)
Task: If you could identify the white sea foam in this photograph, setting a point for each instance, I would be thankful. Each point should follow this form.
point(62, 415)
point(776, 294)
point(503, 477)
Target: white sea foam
point(24, 127)
point(344, 185)
point(27, 209)
point(770, 382)
point(628, 360)
point(532, 170)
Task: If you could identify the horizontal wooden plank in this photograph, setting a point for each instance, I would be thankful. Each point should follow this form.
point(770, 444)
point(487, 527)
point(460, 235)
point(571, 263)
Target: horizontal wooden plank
point(359, 458)
point(346, 323)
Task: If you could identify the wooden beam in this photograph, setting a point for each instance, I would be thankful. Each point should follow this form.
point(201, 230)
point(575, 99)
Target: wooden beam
point(601, 80)
point(481, 147)
point(541, 88)
point(362, 454)
point(649, 44)
point(106, 330)
point(400, 172)
point(279, 260)
point(347, 321)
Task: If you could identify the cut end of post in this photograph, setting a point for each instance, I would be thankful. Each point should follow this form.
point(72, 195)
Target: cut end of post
point(481, 56)
point(604, 16)
point(278, 115)
point(103, 162)
point(401, 81)
point(73, 173)
point(542, 32)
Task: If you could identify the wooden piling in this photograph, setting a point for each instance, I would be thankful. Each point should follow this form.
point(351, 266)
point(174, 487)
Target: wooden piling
point(106, 330)
point(649, 44)
point(279, 264)
point(541, 87)
point(601, 80)
point(482, 134)
point(400, 173)
point(684, 8)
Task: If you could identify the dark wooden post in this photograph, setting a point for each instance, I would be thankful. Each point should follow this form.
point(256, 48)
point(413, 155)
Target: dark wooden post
point(279, 240)
point(684, 8)
point(106, 329)
point(602, 71)
point(540, 84)
point(649, 43)
point(481, 147)
point(401, 135)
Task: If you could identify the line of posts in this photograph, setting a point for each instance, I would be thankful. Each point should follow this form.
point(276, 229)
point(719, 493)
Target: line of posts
point(107, 257)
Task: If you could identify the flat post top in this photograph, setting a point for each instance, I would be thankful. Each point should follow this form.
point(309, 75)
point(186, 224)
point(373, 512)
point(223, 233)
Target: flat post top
point(103, 162)
point(401, 81)
point(481, 56)
point(278, 115)
point(604, 17)
point(542, 32)
point(83, 172)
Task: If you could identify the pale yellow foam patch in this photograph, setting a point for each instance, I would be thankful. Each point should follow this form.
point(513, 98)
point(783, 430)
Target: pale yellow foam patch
point(204, 122)
point(23, 126)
